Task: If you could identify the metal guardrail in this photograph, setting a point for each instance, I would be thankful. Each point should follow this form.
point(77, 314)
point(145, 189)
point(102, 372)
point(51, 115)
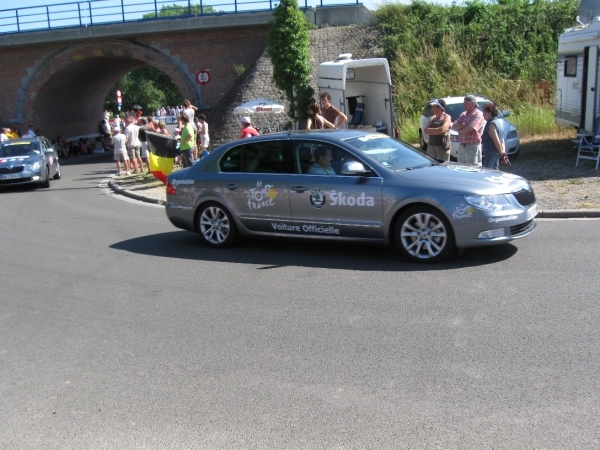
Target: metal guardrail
point(102, 12)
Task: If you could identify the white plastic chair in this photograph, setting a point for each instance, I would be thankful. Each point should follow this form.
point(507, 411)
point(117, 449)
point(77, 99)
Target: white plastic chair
point(589, 146)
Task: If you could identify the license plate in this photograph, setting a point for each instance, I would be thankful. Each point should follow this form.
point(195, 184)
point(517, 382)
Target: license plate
point(532, 212)
point(9, 176)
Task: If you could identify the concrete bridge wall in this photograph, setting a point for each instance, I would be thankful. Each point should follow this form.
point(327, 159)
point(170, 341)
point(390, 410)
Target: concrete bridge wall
point(58, 79)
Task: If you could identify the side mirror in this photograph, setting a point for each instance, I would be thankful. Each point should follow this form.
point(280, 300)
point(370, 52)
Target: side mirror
point(49, 151)
point(353, 168)
point(506, 113)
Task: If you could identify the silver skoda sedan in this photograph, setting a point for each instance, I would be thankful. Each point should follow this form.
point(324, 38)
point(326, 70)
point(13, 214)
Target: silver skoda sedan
point(348, 185)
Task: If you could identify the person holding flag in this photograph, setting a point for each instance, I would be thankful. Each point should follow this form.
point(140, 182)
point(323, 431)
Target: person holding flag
point(162, 151)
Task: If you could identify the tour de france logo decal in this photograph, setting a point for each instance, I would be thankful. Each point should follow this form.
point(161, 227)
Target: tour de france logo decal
point(317, 198)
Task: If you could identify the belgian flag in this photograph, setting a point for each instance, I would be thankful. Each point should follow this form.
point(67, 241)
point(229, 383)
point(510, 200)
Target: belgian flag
point(162, 151)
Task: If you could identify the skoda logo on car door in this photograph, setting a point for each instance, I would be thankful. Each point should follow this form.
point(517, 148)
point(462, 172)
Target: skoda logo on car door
point(317, 198)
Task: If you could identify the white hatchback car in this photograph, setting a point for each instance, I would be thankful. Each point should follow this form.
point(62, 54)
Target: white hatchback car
point(454, 107)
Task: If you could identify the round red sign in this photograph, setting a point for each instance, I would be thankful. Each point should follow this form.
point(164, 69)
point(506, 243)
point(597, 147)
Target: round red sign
point(203, 77)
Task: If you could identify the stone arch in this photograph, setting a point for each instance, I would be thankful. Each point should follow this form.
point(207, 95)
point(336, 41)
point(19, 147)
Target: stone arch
point(65, 94)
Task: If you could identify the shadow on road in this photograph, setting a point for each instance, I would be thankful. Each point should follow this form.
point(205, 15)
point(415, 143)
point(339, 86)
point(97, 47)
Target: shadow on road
point(275, 253)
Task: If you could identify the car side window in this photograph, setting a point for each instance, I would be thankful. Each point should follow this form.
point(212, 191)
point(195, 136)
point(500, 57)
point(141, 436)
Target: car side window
point(259, 157)
point(232, 161)
point(321, 158)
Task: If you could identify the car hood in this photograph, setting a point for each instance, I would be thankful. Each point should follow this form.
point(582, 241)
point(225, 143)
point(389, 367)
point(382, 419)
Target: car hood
point(12, 161)
point(467, 179)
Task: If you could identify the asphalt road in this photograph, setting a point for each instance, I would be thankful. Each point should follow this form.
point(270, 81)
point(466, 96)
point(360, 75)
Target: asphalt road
point(118, 331)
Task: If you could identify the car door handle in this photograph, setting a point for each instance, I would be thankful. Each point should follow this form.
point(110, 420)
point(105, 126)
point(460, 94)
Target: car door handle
point(299, 188)
point(232, 186)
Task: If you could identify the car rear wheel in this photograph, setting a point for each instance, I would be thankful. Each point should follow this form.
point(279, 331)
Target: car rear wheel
point(216, 226)
point(57, 174)
point(423, 234)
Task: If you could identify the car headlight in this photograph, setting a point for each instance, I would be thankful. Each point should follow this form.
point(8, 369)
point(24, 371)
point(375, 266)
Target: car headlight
point(512, 134)
point(34, 166)
point(453, 138)
point(487, 202)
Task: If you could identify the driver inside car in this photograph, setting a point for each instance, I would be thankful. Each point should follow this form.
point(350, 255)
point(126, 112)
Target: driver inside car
point(322, 164)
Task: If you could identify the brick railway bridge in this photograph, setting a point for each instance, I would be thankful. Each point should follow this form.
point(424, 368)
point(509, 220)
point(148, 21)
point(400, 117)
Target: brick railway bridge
point(58, 79)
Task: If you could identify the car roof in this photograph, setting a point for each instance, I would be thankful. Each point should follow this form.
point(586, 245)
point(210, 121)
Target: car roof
point(24, 139)
point(455, 100)
point(332, 134)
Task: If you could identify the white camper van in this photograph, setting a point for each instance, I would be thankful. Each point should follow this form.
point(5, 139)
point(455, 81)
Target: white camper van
point(361, 89)
point(577, 90)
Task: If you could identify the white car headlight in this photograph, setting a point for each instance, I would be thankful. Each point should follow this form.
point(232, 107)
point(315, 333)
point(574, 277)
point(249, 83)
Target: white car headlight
point(34, 166)
point(487, 202)
point(512, 134)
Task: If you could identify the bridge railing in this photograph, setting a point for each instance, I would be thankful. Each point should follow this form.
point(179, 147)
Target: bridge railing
point(101, 12)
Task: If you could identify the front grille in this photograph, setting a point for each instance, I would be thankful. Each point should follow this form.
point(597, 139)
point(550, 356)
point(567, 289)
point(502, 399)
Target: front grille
point(517, 230)
point(12, 169)
point(15, 180)
point(525, 197)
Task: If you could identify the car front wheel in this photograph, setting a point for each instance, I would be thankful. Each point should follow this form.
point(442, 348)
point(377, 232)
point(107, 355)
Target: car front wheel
point(423, 234)
point(216, 226)
point(46, 183)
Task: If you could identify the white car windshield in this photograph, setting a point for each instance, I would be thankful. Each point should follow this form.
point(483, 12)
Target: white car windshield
point(391, 153)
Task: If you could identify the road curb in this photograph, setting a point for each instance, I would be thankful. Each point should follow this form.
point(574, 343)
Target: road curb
point(127, 193)
point(569, 214)
point(547, 214)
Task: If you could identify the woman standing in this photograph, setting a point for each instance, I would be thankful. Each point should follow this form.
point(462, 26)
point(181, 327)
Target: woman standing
point(438, 130)
point(492, 142)
point(315, 120)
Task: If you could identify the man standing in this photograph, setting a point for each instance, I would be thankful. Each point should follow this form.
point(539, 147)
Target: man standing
point(117, 122)
point(133, 144)
point(30, 132)
point(4, 134)
point(186, 144)
point(120, 151)
point(331, 113)
point(470, 128)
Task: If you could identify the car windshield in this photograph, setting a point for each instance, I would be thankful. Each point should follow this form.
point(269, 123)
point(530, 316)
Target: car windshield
point(20, 149)
point(390, 152)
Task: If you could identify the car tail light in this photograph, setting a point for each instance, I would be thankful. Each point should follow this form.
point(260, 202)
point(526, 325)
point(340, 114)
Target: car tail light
point(171, 189)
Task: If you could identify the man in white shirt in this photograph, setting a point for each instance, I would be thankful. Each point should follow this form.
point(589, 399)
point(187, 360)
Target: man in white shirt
point(133, 144)
point(120, 151)
point(3, 136)
point(30, 132)
point(117, 122)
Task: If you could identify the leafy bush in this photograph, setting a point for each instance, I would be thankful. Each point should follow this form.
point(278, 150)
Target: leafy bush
point(505, 50)
point(287, 46)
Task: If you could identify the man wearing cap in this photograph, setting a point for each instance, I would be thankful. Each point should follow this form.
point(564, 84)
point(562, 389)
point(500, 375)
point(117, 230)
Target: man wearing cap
point(247, 129)
point(469, 126)
point(437, 129)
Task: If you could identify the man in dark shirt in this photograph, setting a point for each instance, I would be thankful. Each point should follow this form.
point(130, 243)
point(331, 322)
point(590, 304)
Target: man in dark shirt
point(331, 113)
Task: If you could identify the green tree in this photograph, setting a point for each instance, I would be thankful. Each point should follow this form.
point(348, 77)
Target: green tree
point(287, 46)
point(148, 87)
point(178, 10)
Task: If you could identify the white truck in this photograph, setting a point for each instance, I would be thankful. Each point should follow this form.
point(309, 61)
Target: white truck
point(577, 90)
point(361, 89)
